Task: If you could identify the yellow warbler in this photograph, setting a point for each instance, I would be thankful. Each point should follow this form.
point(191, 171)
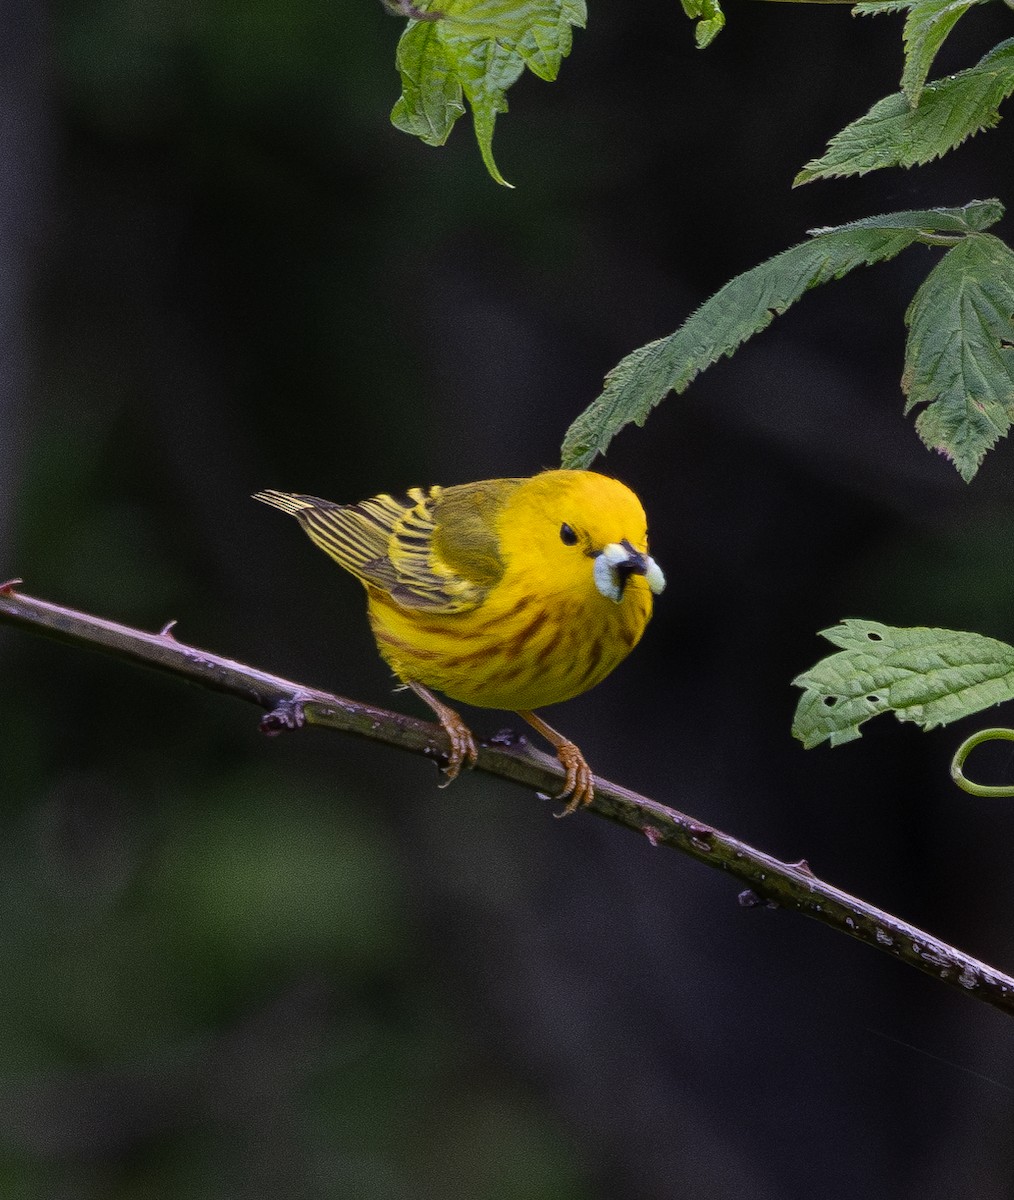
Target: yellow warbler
point(509, 593)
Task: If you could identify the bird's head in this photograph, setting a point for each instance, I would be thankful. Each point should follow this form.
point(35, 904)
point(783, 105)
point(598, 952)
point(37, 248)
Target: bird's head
point(583, 526)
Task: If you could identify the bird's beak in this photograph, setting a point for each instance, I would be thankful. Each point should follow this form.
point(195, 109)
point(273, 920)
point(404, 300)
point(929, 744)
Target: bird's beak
point(615, 563)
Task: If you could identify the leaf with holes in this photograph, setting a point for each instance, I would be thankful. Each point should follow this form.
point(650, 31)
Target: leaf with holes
point(929, 676)
point(959, 359)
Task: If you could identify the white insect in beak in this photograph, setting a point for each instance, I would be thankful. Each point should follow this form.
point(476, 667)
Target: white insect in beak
point(654, 575)
point(614, 565)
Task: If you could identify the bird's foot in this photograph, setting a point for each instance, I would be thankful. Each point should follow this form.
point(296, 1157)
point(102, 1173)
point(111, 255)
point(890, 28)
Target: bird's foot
point(463, 750)
point(579, 783)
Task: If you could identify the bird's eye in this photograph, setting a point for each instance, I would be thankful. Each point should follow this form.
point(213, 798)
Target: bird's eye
point(567, 535)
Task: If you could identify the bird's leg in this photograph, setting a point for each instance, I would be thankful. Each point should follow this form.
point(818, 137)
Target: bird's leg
point(579, 784)
point(463, 751)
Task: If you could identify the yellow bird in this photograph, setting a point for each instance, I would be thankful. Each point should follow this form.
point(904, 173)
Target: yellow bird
point(509, 593)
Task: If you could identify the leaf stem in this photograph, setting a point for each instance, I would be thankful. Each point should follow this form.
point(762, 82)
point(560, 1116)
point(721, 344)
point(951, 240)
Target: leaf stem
point(770, 882)
point(941, 239)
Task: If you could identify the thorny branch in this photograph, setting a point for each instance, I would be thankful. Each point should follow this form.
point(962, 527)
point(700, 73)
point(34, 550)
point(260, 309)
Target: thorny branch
point(769, 881)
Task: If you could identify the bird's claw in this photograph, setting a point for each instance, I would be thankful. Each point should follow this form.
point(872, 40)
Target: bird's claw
point(463, 751)
point(579, 783)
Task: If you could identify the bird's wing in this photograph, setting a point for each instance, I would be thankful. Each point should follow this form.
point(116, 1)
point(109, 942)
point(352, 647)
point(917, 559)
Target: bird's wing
point(434, 549)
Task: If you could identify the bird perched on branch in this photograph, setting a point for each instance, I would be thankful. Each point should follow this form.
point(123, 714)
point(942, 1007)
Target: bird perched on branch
point(508, 593)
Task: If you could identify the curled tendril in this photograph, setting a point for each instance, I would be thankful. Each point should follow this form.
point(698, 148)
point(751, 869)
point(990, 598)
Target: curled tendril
point(963, 751)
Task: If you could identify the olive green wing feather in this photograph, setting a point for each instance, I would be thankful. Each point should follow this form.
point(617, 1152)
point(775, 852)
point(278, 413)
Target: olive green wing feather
point(435, 549)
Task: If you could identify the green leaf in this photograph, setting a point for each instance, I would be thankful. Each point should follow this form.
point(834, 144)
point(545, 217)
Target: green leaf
point(929, 676)
point(959, 360)
point(926, 27)
point(894, 134)
point(710, 20)
point(477, 49)
point(746, 305)
point(431, 92)
point(875, 8)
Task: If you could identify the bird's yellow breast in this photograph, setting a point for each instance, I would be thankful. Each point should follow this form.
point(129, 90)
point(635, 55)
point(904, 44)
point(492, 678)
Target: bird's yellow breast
point(520, 650)
point(544, 632)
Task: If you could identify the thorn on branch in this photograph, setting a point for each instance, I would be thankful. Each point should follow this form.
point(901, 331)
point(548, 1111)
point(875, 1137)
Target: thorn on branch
point(750, 899)
point(701, 837)
point(505, 737)
point(7, 588)
point(804, 867)
point(287, 714)
point(167, 630)
point(653, 834)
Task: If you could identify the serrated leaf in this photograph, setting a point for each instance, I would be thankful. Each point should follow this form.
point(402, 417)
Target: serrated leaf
point(928, 676)
point(476, 49)
point(746, 305)
point(959, 359)
point(875, 8)
point(926, 28)
point(893, 134)
point(709, 17)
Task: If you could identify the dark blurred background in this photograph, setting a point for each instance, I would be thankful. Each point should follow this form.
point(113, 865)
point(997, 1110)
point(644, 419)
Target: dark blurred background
point(240, 968)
